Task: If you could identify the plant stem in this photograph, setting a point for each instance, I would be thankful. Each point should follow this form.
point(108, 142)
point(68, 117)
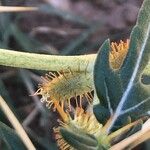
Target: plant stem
point(50, 62)
point(45, 62)
point(17, 126)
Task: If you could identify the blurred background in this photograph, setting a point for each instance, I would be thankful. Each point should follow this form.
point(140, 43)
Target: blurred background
point(60, 27)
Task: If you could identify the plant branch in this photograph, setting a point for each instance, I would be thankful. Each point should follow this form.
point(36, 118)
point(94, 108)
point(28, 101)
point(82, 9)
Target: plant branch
point(15, 123)
point(50, 62)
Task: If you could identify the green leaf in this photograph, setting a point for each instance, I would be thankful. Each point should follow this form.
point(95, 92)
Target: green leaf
point(107, 81)
point(140, 41)
point(121, 91)
point(101, 113)
point(79, 140)
point(10, 137)
point(137, 58)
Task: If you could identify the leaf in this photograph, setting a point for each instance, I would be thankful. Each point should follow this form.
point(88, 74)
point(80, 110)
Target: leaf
point(101, 113)
point(79, 140)
point(107, 81)
point(10, 137)
point(122, 89)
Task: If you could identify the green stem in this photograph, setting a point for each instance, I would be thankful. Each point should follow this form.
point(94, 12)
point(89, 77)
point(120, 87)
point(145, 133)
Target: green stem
point(45, 62)
point(50, 62)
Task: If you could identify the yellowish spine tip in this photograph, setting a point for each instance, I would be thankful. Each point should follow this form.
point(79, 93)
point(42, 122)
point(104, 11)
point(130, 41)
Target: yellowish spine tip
point(84, 121)
point(118, 53)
